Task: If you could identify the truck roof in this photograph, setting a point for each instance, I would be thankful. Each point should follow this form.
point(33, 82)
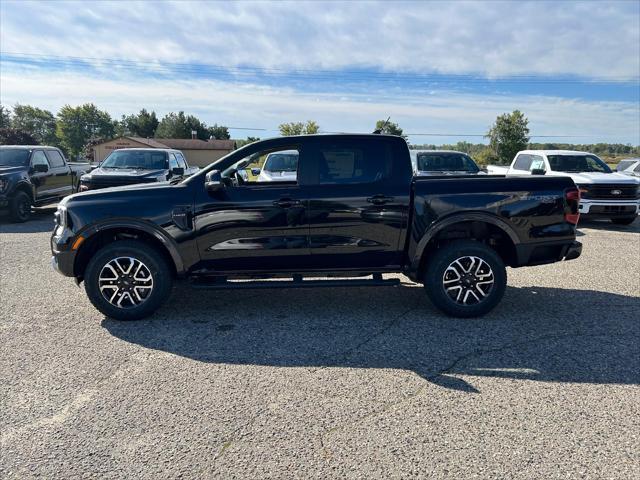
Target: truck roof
point(556, 152)
point(29, 147)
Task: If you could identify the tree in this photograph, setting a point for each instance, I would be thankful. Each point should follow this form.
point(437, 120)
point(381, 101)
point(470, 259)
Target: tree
point(144, 124)
point(242, 143)
point(77, 125)
point(298, 128)
point(508, 135)
point(5, 117)
point(40, 124)
point(12, 136)
point(389, 128)
point(218, 132)
point(179, 125)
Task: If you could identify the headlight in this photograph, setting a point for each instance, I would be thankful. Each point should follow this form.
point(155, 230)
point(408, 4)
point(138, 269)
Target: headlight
point(584, 190)
point(61, 216)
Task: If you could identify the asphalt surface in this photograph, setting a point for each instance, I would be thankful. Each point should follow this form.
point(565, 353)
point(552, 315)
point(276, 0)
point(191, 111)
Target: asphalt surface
point(324, 383)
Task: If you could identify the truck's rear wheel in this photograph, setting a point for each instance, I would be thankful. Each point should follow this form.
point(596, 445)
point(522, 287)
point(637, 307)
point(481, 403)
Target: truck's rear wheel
point(465, 278)
point(127, 280)
point(624, 220)
point(20, 207)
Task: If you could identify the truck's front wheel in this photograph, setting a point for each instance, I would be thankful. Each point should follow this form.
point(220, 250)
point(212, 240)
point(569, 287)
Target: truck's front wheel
point(20, 207)
point(127, 280)
point(465, 278)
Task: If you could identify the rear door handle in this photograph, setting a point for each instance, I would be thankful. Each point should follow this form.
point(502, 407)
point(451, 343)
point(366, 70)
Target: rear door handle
point(287, 203)
point(379, 199)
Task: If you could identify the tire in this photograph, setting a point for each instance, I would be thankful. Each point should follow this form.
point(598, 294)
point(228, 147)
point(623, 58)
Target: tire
point(624, 220)
point(20, 207)
point(441, 285)
point(113, 265)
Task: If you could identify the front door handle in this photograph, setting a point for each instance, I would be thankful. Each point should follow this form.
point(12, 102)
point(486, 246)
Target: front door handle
point(379, 199)
point(287, 203)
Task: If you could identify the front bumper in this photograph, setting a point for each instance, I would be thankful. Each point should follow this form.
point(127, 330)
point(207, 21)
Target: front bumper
point(63, 256)
point(608, 208)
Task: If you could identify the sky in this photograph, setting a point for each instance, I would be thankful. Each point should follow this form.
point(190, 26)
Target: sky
point(442, 70)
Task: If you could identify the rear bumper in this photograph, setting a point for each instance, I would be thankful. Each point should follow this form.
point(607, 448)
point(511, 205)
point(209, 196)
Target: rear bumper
point(548, 252)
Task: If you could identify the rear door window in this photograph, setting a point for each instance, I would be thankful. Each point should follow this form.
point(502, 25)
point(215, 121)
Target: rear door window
point(55, 159)
point(357, 161)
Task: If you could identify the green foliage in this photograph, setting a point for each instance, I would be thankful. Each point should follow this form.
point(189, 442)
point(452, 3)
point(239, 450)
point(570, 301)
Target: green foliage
point(218, 132)
point(40, 124)
point(5, 117)
point(389, 128)
point(77, 125)
point(12, 136)
point(508, 135)
point(247, 141)
point(298, 128)
point(144, 125)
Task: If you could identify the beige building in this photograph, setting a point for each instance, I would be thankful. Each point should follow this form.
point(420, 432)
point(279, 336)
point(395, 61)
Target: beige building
point(199, 153)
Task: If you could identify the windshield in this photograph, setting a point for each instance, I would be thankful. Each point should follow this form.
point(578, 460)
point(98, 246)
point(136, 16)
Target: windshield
point(17, 157)
point(577, 163)
point(281, 162)
point(446, 162)
point(139, 159)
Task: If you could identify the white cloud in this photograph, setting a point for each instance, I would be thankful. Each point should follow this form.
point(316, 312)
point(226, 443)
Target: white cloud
point(246, 105)
point(592, 39)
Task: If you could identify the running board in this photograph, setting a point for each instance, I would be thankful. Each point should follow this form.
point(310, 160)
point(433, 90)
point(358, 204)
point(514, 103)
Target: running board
point(297, 282)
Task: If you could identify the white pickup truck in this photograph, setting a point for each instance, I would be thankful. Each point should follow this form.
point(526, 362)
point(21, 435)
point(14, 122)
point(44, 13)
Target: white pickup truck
point(604, 194)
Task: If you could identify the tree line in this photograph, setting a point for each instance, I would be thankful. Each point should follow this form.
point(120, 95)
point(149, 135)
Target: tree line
point(77, 129)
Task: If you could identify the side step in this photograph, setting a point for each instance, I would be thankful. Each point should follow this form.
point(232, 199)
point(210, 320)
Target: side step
point(297, 282)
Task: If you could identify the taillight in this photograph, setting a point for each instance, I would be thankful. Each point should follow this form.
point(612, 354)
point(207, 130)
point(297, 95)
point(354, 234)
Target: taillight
point(572, 196)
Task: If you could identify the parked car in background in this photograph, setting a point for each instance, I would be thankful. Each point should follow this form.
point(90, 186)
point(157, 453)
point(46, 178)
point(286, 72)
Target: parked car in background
point(354, 209)
point(279, 167)
point(627, 164)
point(604, 194)
point(631, 167)
point(129, 166)
point(443, 162)
point(35, 175)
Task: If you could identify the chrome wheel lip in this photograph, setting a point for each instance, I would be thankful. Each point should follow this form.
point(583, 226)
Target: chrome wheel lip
point(468, 280)
point(125, 282)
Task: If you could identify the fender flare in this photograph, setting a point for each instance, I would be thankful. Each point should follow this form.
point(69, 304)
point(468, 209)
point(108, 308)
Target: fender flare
point(143, 226)
point(459, 218)
point(22, 185)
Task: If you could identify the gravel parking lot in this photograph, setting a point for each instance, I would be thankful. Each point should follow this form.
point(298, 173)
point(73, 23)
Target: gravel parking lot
point(324, 383)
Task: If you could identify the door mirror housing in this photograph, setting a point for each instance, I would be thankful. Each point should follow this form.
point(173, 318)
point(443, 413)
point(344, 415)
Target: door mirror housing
point(179, 171)
point(538, 171)
point(213, 181)
point(40, 168)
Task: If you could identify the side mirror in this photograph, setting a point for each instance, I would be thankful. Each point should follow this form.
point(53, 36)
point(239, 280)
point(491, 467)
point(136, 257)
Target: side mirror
point(179, 171)
point(255, 171)
point(538, 171)
point(213, 181)
point(40, 168)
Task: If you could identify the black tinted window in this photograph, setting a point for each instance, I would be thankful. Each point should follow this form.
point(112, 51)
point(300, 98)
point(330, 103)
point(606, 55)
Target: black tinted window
point(354, 162)
point(143, 159)
point(577, 163)
point(39, 158)
point(445, 162)
point(14, 157)
point(523, 162)
point(55, 159)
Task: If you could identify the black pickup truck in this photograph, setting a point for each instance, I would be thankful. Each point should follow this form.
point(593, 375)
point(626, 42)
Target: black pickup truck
point(354, 210)
point(128, 166)
point(35, 175)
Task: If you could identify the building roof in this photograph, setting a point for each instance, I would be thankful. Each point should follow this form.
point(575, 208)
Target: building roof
point(181, 143)
point(196, 144)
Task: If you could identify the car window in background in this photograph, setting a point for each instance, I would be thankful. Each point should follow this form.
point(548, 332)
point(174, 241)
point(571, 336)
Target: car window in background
point(281, 162)
point(18, 157)
point(577, 163)
point(523, 162)
point(39, 158)
point(446, 162)
point(637, 169)
point(143, 160)
point(55, 159)
point(624, 164)
point(537, 163)
point(181, 161)
point(173, 161)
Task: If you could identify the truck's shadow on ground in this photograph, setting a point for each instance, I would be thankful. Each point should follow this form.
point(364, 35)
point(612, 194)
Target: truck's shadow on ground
point(541, 334)
point(607, 225)
point(41, 221)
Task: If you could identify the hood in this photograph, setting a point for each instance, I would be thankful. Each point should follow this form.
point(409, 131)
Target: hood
point(124, 172)
point(9, 170)
point(586, 178)
point(105, 193)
